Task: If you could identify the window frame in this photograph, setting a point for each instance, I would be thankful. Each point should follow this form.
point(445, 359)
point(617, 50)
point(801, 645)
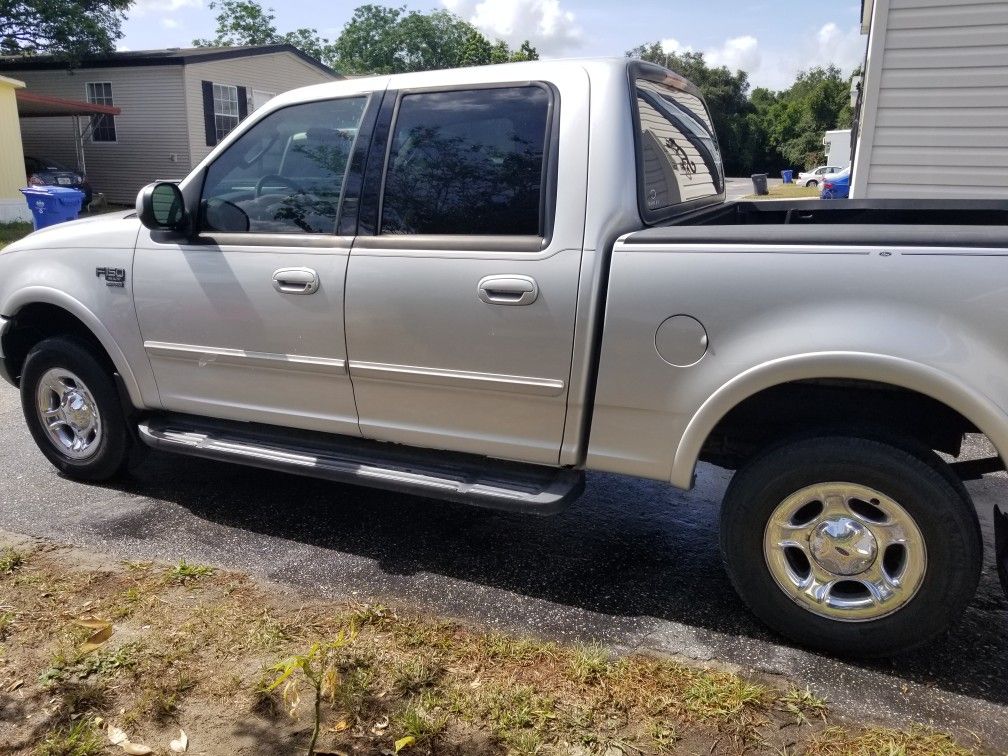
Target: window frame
point(639, 69)
point(237, 115)
point(111, 118)
point(372, 202)
point(193, 193)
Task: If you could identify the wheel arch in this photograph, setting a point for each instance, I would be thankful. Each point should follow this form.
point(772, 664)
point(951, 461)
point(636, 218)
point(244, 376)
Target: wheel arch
point(887, 370)
point(49, 312)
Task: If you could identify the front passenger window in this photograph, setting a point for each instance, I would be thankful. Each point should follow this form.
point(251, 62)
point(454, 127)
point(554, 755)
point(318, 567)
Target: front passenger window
point(284, 175)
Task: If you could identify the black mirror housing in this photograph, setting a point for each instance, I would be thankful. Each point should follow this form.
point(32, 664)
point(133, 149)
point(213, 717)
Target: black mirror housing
point(160, 206)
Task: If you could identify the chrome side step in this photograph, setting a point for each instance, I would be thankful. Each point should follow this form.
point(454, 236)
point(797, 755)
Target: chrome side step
point(464, 478)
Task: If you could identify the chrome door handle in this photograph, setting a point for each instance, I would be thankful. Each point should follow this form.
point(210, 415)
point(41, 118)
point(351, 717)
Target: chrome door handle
point(508, 290)
point(296, 281)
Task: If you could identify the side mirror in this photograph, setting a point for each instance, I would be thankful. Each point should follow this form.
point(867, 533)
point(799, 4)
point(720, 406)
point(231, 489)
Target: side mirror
point(160, 206)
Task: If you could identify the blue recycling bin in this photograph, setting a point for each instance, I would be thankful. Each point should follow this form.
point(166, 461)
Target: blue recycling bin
point(50, 205)
point(787, 176)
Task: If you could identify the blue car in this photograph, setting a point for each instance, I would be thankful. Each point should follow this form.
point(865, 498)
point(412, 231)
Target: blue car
point(836, 186)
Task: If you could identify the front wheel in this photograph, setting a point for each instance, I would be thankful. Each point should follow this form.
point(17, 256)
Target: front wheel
point(850, 545)
point(72, 409)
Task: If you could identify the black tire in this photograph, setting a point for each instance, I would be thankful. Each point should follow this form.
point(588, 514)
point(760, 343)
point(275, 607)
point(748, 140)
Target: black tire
point(938, 505)
point(112, 450)
point(811, 184)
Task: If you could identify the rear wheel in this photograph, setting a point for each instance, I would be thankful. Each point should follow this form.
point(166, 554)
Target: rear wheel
point(851, 545)
point(72, 409)
point(812, 183)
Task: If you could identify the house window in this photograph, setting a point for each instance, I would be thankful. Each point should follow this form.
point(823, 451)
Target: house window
point(103, 127)
point(225, 108)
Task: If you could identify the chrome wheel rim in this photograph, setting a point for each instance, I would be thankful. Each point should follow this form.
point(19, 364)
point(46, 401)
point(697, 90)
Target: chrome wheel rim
point(845, 552)
point(68, 413)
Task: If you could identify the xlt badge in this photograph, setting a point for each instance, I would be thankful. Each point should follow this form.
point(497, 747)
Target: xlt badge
point(113, 276)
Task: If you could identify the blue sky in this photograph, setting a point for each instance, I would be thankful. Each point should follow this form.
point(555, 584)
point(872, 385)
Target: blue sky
point(770, 39)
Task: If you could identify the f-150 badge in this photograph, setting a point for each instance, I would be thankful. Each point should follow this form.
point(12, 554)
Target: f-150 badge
point(113, 276)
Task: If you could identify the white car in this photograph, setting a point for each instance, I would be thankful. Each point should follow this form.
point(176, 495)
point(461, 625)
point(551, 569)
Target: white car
point(815, 177)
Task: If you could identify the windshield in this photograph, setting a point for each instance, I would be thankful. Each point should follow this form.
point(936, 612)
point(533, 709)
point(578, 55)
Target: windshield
point(679, 160)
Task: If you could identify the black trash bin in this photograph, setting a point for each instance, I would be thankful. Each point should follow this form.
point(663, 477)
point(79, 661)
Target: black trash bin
point(759, 183)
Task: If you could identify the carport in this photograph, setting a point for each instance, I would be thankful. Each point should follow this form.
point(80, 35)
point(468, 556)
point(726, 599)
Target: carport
point(35, 105)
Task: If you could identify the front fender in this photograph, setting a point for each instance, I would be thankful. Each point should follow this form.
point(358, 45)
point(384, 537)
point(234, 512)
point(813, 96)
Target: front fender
point(45, 295)
point(974, 406)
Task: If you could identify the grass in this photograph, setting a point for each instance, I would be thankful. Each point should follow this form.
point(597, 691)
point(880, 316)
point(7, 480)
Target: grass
point(10, 560)
point(80, 739)
point(203, 659)
point(187, 573)
point(11, 232)
point(787, 191)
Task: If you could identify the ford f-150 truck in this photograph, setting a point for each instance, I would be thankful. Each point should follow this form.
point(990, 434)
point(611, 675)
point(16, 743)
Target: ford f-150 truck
point(478, 284)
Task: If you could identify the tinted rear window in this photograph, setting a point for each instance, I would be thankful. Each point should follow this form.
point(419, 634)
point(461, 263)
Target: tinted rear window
point(467, 162)
point(679, 158)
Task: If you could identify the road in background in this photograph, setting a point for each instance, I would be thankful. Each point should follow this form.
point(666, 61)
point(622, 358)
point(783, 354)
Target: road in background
point(634, 564)
point(737, 188)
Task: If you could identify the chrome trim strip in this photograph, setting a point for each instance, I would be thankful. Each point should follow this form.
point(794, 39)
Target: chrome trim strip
point(515, 384)
point(241, 358)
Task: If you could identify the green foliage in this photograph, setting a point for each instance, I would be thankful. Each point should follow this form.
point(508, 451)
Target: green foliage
point(10, 561)
point(376, 39)
point(185, 573)
point(69, 29)
point(764, 131)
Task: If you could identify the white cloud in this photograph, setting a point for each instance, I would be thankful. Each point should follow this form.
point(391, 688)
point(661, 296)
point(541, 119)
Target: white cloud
point(169, 23)
point(163, 6)
point(551, 29)
point(671, 45)
point(736, 53)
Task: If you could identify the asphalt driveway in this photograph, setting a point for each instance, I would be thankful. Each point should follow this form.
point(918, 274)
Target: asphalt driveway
point(633, 564)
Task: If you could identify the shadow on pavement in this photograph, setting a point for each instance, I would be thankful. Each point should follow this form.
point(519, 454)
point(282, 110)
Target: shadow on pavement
point(627, 549)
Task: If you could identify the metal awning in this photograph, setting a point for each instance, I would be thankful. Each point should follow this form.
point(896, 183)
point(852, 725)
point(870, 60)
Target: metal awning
point(35, 105)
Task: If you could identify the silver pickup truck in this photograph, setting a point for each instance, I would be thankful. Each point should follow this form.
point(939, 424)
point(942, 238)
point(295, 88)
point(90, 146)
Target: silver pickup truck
point(478, 284)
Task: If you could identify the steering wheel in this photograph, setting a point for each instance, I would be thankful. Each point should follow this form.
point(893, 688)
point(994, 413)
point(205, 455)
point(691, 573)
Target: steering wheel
point(275, 179)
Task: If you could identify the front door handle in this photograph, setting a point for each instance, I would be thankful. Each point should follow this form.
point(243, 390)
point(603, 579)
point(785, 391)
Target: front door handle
point(508, 290)
point(296, 281)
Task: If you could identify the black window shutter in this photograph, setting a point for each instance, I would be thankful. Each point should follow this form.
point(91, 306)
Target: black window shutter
point(208, 115)
point(242, 103)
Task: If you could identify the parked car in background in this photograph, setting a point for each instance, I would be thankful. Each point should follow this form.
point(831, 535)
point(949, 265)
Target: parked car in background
point(815, 177)
point(44, 172)
point(836, 186)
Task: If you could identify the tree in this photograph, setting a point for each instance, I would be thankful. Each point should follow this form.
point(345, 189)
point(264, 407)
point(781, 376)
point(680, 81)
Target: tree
point(70, 29)
point(246, 22)
point(764, 131)
point(725, 93)
point(376, 39)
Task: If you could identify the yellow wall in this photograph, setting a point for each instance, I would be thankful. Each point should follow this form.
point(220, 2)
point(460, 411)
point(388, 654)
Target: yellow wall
point(12, 173)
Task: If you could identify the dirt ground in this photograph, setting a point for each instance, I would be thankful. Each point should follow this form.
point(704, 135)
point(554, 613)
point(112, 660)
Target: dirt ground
point(93, 650)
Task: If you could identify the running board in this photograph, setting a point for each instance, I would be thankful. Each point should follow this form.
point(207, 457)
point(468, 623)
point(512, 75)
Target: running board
point(465, 478)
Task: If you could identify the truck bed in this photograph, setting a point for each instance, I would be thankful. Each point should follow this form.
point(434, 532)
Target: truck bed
point(950, 223)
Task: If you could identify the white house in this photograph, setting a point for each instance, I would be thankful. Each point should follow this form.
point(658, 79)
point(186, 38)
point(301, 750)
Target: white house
point(933, 117)
point(176, 104)
point(837, 144)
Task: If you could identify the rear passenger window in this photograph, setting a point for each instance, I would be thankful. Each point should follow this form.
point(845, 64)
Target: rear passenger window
point(467, 162)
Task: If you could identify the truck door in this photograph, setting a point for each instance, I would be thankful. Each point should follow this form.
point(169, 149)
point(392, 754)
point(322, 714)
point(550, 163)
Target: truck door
point(244, 321)
point(463, 279)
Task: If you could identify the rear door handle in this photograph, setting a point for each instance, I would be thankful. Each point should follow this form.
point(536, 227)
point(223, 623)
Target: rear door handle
point(296, 281)
point(508, 290)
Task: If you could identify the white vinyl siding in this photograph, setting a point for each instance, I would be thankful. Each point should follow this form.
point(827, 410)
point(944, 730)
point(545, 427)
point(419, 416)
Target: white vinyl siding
point(151, 137)
point(935, 111)
point(225, 105)
point(274, 72)
point(103, 127)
